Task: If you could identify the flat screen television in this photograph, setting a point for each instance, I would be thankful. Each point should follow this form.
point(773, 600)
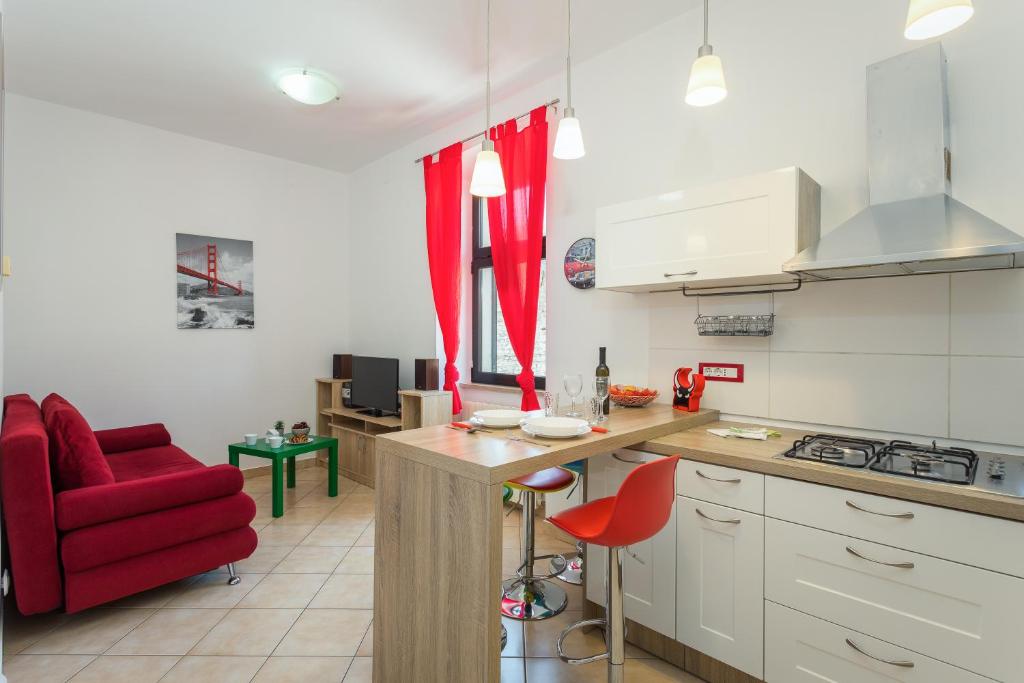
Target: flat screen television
point(375, 385)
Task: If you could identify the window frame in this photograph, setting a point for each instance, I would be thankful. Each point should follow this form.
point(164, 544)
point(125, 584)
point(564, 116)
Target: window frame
point(482, 258)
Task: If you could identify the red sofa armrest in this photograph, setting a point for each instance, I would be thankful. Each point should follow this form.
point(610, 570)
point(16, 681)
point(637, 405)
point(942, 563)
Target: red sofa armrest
point(91, 505)
point(132, 438)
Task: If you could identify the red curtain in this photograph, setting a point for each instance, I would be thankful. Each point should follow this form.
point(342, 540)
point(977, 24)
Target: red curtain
point(516, 221)
point(443, 182)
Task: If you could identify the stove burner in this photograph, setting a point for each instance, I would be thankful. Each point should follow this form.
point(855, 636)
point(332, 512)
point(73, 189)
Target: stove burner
point(950, 465)
point(845, 451)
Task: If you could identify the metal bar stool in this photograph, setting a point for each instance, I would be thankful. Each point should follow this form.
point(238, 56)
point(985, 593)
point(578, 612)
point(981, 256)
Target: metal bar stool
point(640, 509)
point(528, 597)
point(574, 561)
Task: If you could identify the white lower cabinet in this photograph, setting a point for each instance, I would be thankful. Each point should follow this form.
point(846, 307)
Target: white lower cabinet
point(719, 595)
point(803, 649)
point(648, 567)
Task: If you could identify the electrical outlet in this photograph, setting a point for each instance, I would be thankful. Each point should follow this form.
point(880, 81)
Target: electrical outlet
point(722, 372)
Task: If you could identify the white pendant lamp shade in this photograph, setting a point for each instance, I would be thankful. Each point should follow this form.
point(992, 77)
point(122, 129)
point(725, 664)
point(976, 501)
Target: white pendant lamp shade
point(707, 82)
point(488, 180)
point(931, 18)
point(569, 140)
point(307, 87)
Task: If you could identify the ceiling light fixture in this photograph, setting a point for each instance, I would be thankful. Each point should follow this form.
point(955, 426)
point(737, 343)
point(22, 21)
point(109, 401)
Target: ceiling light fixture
point(931, 18)
point(707, 78)
point(308, 87)
point(488, 180)
point(569, 140)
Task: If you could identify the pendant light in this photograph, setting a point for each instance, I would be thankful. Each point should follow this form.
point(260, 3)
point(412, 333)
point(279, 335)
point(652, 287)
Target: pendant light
point(569, 140)
point(931, 18)
point(707, 79)
point(488, 180)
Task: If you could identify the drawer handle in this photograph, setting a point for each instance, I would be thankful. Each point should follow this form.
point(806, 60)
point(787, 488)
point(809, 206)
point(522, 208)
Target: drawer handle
point(641, 461)
point(898, 565)
point(689, 272)
point(722, 481)
point(892, 662)
point(634, 555)
point(720, 521)
point(894, 515)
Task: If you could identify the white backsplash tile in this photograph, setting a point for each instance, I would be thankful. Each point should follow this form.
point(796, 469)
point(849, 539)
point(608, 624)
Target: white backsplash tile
point(672, 321)
point(985, 400)
point(894, 393)
point(886, 315)
point(747, 398)
point(987, 313)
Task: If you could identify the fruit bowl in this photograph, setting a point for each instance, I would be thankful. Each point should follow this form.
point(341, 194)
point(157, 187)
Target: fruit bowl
point(301, 430)
point(630, 396)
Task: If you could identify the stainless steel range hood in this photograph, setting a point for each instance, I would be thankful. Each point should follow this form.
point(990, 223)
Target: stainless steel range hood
point(913, 225)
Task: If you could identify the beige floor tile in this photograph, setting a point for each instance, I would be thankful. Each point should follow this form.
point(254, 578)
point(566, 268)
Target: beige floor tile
point(212, 590)
point(361, 670)
point(291, 534)
point(366, 647)
point(514, 646)
point(247, 632)
point(345, 591)
point(335, 534)
point(636, 671)
point(89, 633)
point(155, 598)
point(301, 516)
point(310, 473)
point(214, 670)
point(306, 639)
point(263, 559)
point(366, 539)
point(21, 631)
point(346, 514)
point(318, 498)
point(303, 670)
point(358, 560)
point(169, 632)
point(284, 591)
point(134, 668)
point(346, 485)
point(540, 637)
point(513, 670)
point(311, 560)
point(258, 485)
point(44, 668)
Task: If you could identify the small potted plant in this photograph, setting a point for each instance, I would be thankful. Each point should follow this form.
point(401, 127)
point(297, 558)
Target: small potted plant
point(279, 426)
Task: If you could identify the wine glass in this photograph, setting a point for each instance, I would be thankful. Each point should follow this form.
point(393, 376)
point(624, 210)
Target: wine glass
point(574, 387)
point(601, 392)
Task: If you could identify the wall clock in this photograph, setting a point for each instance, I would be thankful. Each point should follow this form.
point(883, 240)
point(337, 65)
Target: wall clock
point(579, 263)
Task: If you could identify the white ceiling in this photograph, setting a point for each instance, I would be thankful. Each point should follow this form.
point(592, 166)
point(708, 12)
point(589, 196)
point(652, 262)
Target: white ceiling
point(206, 68)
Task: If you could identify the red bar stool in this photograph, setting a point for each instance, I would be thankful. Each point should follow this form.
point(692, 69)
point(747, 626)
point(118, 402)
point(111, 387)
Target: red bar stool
point(638, 511)
point(528, 597)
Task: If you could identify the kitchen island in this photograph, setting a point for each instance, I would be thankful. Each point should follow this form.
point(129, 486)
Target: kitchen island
point(437, 562)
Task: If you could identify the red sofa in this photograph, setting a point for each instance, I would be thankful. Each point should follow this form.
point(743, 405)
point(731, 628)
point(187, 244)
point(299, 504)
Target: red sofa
point(90, 517)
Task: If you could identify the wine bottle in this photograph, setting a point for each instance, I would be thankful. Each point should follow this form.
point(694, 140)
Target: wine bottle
point(602, 375)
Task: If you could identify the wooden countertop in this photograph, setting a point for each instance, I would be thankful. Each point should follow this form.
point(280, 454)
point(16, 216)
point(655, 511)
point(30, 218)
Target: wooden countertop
point(758, 456)
point(491, 459)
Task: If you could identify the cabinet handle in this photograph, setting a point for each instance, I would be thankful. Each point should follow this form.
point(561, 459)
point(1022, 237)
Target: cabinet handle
point(641, 461)
point(898, 565)
point(722, 481)
point(720, 521)
point(689, 272)
point(892, 662)
point(634, 555)
point(894, 515)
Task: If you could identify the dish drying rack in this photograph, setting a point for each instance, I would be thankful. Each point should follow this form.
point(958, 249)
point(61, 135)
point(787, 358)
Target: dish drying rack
point(759, 325)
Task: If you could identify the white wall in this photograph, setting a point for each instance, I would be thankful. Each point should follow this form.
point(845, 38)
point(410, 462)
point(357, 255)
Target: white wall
point(93, 205)
point(795, 70)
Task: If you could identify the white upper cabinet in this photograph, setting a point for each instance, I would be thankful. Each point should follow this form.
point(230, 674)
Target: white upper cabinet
point(738, 231)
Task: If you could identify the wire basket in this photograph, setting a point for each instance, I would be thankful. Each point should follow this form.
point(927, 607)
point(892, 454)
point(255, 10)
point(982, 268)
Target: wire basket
point(735, 325)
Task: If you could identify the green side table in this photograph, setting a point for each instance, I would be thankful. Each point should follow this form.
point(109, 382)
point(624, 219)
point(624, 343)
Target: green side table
point(287, 452)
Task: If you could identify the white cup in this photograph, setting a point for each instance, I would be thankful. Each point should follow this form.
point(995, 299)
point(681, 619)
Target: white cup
point(275, 441)
point(250, 439)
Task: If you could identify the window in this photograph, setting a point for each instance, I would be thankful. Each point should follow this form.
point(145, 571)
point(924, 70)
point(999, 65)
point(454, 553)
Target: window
point(494, 362)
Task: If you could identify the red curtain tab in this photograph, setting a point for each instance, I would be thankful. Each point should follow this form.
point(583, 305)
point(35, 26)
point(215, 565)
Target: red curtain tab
point(516, 221)
point(443, 182)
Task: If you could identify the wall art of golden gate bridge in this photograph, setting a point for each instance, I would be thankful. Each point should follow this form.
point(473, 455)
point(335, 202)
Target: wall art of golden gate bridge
point(215, 283)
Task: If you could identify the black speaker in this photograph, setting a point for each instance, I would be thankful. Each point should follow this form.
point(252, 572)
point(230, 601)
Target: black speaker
point(426, 374)
point(343, 366)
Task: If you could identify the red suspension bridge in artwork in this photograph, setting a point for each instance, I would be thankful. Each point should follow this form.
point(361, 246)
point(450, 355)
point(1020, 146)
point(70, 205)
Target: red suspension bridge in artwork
point(203, 263)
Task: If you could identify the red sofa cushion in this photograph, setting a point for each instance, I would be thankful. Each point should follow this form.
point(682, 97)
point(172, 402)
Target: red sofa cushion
point(133, 438)
point(98, 504)
point(28, 509)
point(151, 462)
point(123, 538)
point(77, 458)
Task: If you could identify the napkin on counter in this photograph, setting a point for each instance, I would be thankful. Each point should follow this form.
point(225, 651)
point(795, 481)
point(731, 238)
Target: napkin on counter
point(761, 434)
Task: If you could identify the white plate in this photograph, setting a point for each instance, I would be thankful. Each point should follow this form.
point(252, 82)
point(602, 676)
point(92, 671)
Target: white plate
point(555, 427)
point(497, 418)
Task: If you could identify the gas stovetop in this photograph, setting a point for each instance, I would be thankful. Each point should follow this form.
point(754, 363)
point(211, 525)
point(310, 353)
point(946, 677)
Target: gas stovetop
point(990, 472)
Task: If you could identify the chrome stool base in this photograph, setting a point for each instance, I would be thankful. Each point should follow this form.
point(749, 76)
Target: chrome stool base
point(573, 572)
point(532, 600)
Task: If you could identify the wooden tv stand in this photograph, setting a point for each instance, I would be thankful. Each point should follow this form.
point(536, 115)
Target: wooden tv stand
point(356, 432)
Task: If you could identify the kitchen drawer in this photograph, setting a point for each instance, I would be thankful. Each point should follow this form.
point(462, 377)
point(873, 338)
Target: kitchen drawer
point(987, 542)
point(964, 616)
point(802, 649)
point(721, 486)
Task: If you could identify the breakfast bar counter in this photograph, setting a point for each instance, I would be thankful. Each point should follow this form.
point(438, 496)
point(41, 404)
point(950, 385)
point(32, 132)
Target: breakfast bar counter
point(437, 583)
